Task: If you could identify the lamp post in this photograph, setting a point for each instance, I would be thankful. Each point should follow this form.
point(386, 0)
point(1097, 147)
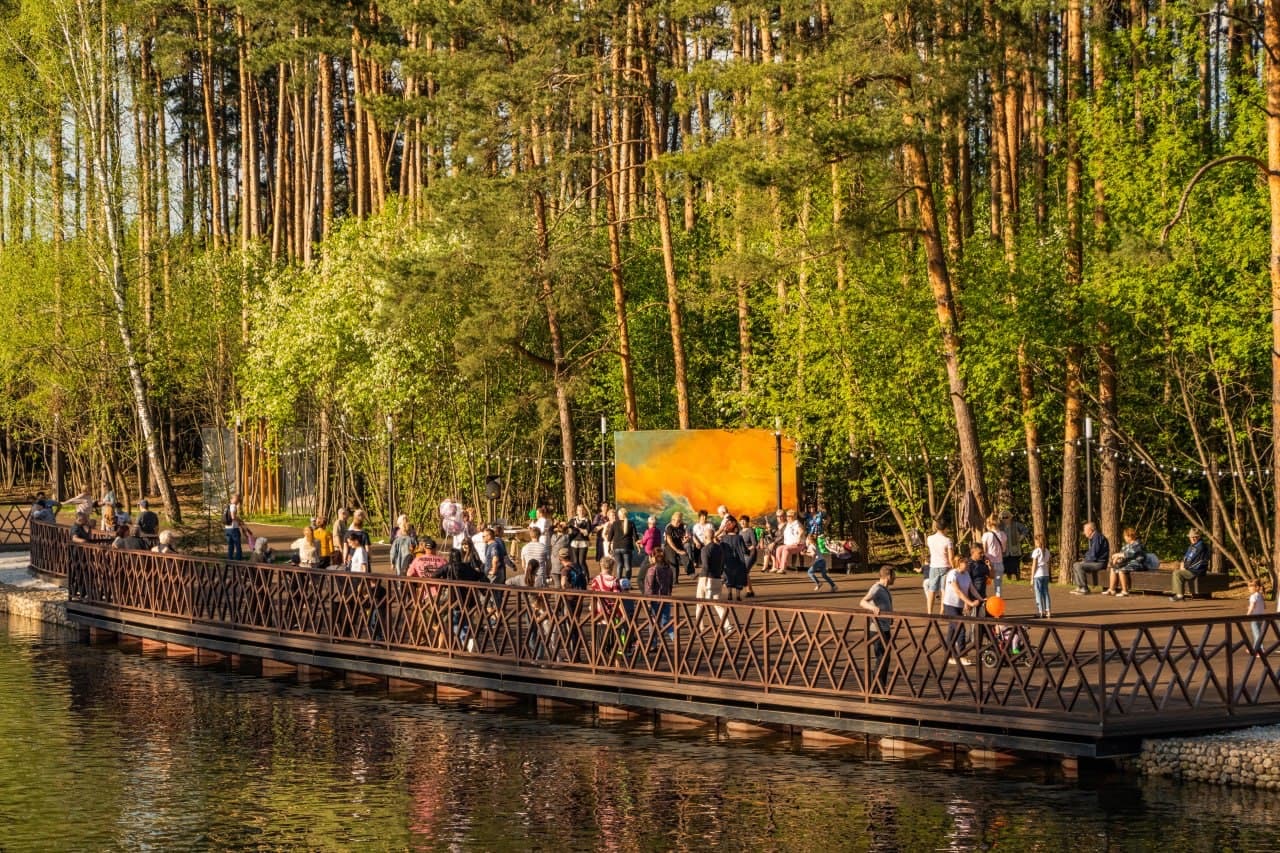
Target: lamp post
point(391, 478)
point(604, 477)
point(1088, 469)
point(777, 451)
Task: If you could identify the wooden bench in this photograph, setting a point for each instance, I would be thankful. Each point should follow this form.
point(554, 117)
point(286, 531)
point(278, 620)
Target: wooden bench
point(1161, 582)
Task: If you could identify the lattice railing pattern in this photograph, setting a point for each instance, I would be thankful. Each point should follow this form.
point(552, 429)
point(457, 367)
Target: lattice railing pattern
point(1069, 672)
point(14, 527)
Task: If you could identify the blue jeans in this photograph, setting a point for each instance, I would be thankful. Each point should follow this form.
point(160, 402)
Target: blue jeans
point(660, 615)
point(819, 567)
point(1041, 586)
point(233, 543)
point(623, 557)
point(956, 639)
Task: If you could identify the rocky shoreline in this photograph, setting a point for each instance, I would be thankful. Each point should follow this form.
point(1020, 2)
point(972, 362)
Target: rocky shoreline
point(25, 596)
point(1247, 758)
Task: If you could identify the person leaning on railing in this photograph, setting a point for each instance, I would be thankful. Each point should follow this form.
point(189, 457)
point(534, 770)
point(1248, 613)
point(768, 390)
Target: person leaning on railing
point(1195, 562)
point(80, 529)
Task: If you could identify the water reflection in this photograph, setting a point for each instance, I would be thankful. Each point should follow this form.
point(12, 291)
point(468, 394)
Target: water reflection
point(102, 748)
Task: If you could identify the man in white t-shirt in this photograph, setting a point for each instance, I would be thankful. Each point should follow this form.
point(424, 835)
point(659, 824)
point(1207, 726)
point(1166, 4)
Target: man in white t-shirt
point(941, 549)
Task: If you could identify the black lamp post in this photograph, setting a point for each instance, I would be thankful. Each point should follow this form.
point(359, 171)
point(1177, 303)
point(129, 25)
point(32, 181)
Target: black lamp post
point(777, 451)
point(604, 476)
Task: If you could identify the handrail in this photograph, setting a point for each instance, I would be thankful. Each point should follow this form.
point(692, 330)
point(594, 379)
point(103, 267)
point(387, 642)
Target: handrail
point(1037, 674)
point(14, 526)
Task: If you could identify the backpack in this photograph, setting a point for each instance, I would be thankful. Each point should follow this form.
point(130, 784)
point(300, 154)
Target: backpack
point(226, 516)
point(1150, 562)
point(577, 578)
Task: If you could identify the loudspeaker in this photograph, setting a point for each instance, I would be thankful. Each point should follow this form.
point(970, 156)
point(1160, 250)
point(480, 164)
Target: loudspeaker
point(492, 487)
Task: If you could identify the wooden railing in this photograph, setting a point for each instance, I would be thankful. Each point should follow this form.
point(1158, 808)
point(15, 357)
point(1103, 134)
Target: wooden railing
point(1072, 679)
point(14, 528)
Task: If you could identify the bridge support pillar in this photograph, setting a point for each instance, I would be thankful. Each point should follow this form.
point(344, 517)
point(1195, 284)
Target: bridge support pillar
point(448, 691)
point(671, 720)
point(307, 673)
point(823, 737)
point(744, 729)
point(616, 712)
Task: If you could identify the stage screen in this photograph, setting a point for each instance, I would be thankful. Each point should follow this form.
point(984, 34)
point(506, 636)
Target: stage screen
point(661, 471)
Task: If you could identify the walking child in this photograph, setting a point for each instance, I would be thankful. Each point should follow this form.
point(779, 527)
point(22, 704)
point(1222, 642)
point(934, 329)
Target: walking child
point(1256, 608)
point(1040, 558)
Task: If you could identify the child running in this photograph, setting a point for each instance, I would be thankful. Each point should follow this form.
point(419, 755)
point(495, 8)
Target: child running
point(1040, 558)
point(819, 566)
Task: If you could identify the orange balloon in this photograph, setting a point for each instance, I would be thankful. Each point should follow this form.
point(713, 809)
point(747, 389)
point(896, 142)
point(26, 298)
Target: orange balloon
point(995, 607)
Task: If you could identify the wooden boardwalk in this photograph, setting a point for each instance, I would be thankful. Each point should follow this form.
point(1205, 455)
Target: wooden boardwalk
point(1100, 675)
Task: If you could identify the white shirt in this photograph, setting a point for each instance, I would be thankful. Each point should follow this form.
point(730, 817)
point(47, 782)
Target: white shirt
point(1040, 559)
point(359, 560)
point(704, 532)
point(939, 550)
point(477, 541)
point(1256, 605)
point(793, 533)
point(950, 596)
point(993, 543)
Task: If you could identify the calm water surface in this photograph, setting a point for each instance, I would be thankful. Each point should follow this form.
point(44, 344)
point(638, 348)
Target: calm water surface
point(104, 749)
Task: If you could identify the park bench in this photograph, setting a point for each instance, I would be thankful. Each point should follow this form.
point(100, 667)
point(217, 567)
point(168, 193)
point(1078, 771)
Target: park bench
point(1161, 582)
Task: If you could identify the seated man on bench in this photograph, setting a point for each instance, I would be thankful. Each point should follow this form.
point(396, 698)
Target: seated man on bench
point(1095, 559)
point(1195, 562)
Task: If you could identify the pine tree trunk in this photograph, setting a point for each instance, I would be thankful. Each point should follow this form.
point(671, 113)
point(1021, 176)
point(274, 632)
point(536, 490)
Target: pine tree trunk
point(560, 372)
point(1068, 546)
point(663, 212)
point(1271, 40)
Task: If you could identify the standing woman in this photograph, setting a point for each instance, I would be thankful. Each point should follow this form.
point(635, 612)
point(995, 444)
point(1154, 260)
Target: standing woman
point(561, 538)
point(734, 553)
point(752, 546)
point(598, 525)
point(622, 541)
point(579, 537)
point(675, 547)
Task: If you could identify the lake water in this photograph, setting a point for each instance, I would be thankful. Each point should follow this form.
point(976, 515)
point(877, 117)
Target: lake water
point(107, 749)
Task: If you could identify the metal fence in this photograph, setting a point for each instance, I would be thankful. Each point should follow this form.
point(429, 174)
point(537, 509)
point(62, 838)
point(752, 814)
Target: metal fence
point(1071, 679)
point(14, 527)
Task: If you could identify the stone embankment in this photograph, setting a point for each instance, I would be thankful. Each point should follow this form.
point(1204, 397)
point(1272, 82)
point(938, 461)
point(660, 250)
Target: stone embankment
point(1249, 758)
point(23, 595)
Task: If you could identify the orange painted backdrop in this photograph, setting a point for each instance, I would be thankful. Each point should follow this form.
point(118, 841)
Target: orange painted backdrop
point(661, 471)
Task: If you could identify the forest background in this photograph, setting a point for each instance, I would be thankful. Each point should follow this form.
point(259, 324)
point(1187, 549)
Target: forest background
point(926, 239)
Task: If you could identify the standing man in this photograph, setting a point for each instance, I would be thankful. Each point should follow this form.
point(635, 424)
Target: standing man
point(536, 549)
point(1014, 537)
point(879, 600)
point(148, 521)
point(1195, 562)
point(1095, 559)
point(941, 550)
point(495, 557)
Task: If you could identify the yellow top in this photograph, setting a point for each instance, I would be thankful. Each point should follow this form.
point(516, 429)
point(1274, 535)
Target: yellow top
point(324, 541)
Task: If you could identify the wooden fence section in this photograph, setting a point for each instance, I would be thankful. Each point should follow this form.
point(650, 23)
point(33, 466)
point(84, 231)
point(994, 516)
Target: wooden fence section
point(14, 527)
point(1043, 678)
